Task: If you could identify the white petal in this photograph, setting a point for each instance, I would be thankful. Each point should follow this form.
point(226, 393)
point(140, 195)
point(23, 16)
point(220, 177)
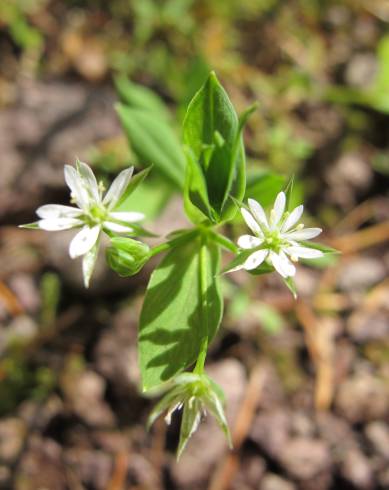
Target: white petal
point(278, 209)
point(250, 221)
point(118, 186)
point(50, 211)
point(88, 264)
point(304, 234)
point(282, 264)
point(90, 182)
point(304, 252)
point(293, 218)
point(249, 241)
point(84, 241)
point(115, 227)
point(129, 216)
point(255, 260)
point(76, 185)
point(57, 224)
point(258, 212)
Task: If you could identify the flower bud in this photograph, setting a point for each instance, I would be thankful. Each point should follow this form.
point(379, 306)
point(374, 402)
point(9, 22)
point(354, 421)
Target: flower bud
point(127, 256)
point(195, 394)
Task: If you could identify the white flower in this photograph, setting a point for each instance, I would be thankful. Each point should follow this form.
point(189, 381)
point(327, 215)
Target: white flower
point(93, 215)
point(276, 239)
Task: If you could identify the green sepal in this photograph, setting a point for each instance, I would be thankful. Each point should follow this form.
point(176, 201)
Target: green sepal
point(31, 226)
point(318, 246)
point(126, 256)
point(135, 181)
point(291, 285)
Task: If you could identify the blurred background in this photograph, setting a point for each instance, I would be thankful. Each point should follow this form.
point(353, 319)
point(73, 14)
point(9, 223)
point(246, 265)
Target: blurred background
point(306, 381)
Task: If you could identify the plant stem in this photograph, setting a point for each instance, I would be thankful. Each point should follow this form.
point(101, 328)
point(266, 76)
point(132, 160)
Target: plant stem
point(199, 368)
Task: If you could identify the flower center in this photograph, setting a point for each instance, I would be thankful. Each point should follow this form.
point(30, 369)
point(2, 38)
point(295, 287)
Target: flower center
point(97, 214)
point(273, 240)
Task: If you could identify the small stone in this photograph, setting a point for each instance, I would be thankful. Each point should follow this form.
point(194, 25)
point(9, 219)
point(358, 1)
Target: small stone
point(12, 434)
point(356, 469)
point(274, 482)
point(305, 458)
point(271, 430)
point(362, 398)
point(378, 435)
point(361, 273)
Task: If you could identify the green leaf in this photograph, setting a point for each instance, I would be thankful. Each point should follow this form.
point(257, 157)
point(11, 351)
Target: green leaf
point(153, 141)
point(140, 97)
point(211, 129)
point(175, 318)
point(135, 181)
point(263, 186)
point(195, 191)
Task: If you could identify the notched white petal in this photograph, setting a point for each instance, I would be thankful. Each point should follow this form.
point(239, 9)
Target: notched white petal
point(304, 234)
point(278, 209)
point(249, 241)
point(293, 218)
point(90, 182)
point(250, 221)
point(84, 241)
point(282, 265)
point(128, 216)
point(304, 252)
point(76, 185)
point(88, 264)
point(118, 187)
point(255, 260)
point(58, 224)
point(258, 212)
point(50, 211)
point(117, 228)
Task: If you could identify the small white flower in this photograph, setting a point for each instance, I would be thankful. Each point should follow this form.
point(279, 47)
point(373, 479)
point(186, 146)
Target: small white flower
point(93, 215)
point(277, 238)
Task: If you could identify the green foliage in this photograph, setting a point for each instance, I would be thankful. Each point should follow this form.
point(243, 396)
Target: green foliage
point(182, 307)
point(153, 141)
point(215, 156)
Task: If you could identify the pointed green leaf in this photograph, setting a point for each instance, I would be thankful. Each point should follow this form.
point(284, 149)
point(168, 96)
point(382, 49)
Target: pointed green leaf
point(211, 122)
point(153, 141)
point(172, 325)
point(140, 97)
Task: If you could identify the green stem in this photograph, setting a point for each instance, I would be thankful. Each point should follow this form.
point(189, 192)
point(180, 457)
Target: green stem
point(199, 368)
point(223, 241)
point(173, 243)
